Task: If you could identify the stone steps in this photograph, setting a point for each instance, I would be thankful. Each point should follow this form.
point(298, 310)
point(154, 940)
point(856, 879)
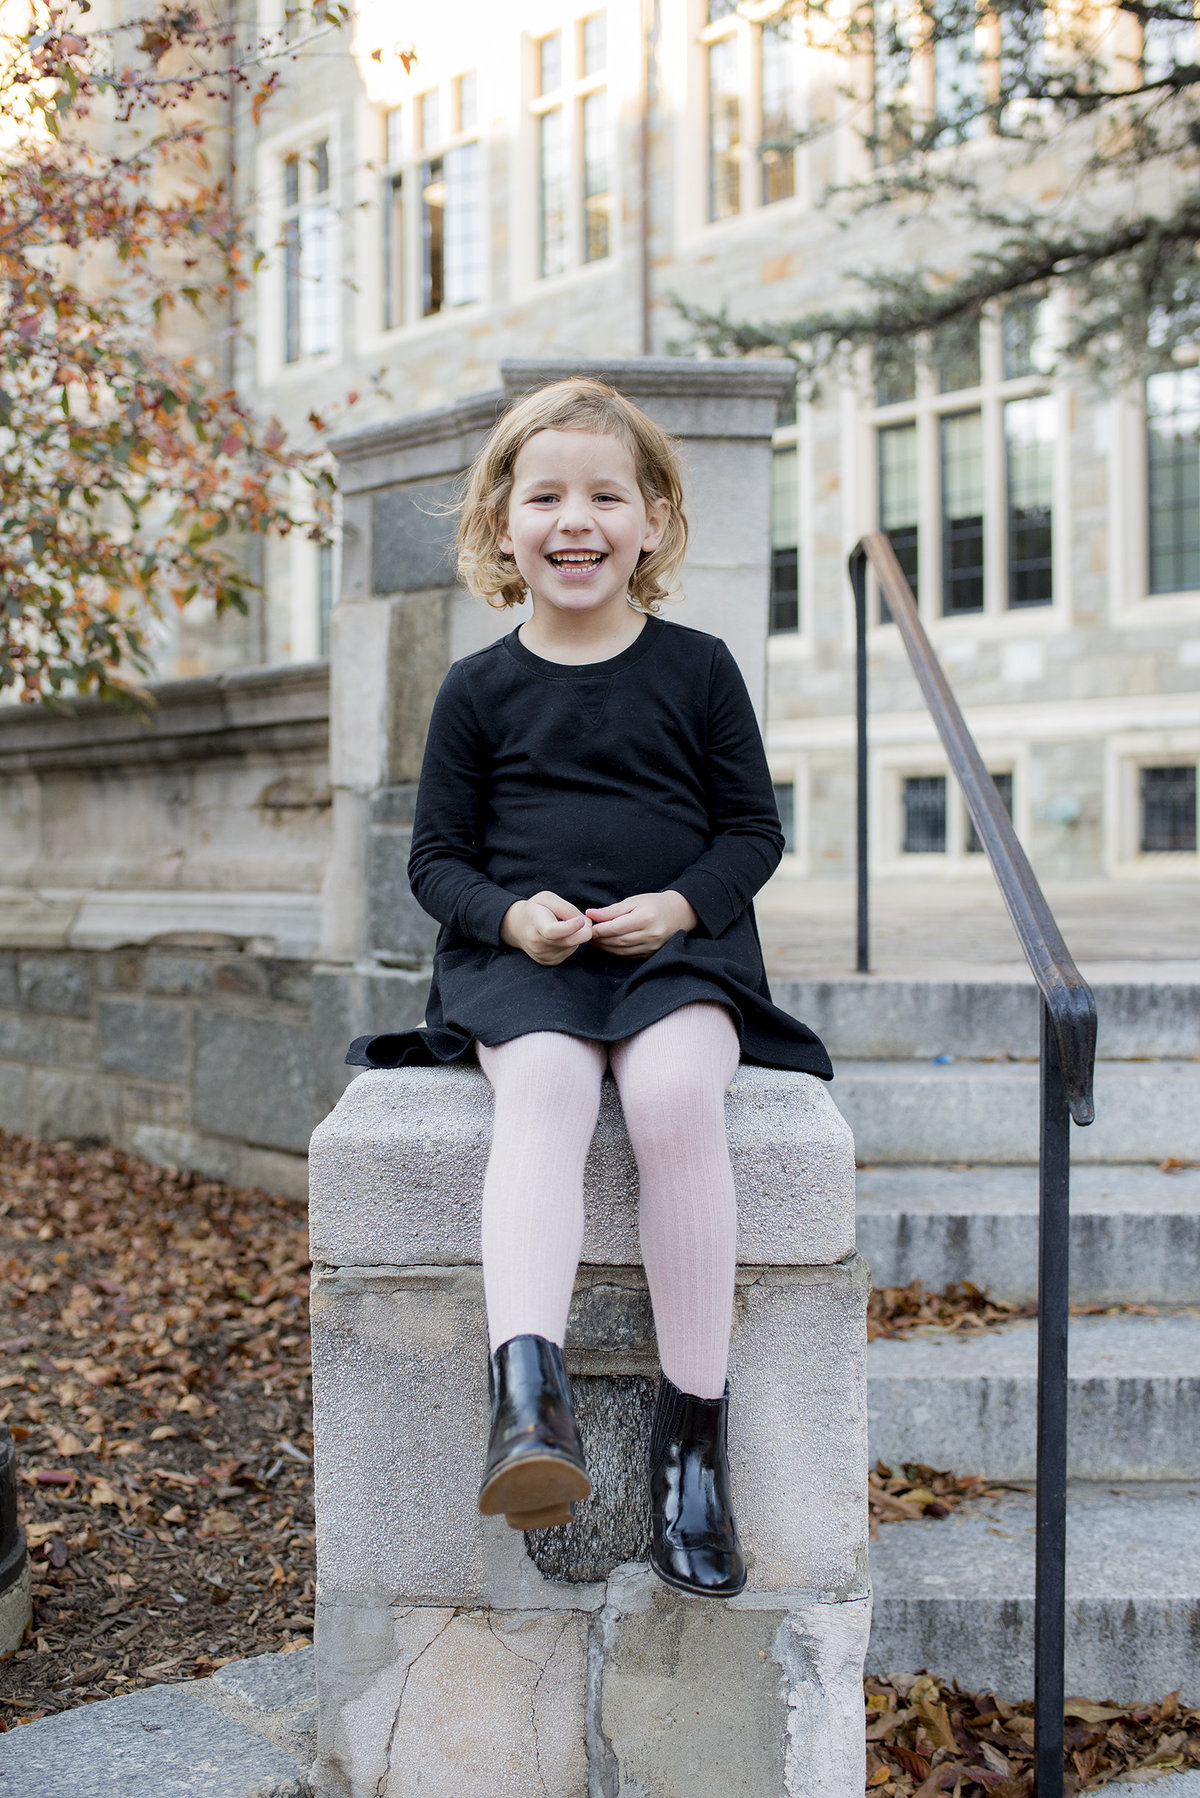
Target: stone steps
point(1135, 1231)
point(907, 1111)
point(970, 1403)
point(956, 1595)
point(1145, 1013)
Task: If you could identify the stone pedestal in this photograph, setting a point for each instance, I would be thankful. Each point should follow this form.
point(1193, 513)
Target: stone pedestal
point(457, 1657)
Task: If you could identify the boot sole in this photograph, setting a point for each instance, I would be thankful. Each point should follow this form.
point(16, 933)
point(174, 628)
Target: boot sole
point(696, 1591)
point(536, 1486)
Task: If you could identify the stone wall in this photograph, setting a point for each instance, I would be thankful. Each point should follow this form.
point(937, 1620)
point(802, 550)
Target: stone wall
point(159, 918)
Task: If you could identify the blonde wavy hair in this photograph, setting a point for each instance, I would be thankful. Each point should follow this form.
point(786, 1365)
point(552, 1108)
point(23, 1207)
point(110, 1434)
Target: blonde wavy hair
point(577, 404)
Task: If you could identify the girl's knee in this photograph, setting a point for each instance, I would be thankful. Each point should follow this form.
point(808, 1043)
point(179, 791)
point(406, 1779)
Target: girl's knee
point(548, 1071)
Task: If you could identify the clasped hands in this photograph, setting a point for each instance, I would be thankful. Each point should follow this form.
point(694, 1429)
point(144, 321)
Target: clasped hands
point(550, 929)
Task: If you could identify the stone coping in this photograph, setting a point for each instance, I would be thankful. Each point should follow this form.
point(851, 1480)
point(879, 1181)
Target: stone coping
point(396, 1172)
point(676, 377)
point(223, 715)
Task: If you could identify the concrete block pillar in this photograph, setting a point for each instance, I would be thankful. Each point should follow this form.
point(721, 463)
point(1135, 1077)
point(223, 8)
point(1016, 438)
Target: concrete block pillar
point(457, 1657)
point(401, 619)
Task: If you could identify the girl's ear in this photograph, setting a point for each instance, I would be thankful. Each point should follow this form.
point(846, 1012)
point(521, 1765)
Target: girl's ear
point(504, 542)
point(657, 514)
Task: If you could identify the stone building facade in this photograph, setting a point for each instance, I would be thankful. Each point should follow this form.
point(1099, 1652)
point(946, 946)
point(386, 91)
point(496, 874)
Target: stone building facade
point(543, 182)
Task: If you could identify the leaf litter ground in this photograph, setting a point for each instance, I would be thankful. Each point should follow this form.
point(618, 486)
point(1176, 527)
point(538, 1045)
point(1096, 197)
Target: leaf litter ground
point(154, 1369)
point(925, 1737)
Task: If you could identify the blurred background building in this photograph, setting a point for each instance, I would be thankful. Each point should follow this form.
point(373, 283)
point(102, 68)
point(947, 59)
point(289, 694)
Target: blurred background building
point(545, 181)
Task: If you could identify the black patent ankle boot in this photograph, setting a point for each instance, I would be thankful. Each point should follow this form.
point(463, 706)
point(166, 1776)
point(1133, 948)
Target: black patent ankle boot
point(534, 1469)
point(693, 1537)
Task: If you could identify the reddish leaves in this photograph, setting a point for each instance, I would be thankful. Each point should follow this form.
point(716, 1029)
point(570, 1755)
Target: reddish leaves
point(899, 1310)
point(918, 1491)
point(925, 1737)
point(158, 1394)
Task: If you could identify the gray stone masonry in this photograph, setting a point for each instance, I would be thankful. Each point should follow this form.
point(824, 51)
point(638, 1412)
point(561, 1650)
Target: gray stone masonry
point(246, 1733)
point(588, 1678)
point(956, 1595)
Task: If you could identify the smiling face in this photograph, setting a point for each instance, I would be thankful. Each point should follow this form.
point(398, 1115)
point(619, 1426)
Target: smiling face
point(577, 521)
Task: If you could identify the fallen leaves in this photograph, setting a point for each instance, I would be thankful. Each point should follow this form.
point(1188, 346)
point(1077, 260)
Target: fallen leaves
point(154, 1375)
point(917, 1491)
point(925, 1737)
point(899, 1310)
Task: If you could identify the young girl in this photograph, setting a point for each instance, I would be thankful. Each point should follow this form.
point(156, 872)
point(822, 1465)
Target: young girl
point(594, 818)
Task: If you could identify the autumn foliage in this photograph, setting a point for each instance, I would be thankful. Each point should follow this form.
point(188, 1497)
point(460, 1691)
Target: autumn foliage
point(130, 472)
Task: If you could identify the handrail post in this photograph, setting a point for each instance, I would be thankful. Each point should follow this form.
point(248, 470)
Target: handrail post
point(858, 575)
point(1054, 1157)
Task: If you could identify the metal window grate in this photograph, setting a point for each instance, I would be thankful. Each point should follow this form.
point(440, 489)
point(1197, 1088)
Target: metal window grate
point(785, 803)
point(925, 814)
point(1003, 786)
point(1168, 810)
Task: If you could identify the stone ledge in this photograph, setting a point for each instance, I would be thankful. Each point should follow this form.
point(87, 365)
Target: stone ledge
point(246, 1733)
point(397, 1172)
point(228, 715)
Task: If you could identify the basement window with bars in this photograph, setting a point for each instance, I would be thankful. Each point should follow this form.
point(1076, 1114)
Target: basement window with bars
point(1168, 810)
point(1004, 786)
point(785, 804)
point(924, 798)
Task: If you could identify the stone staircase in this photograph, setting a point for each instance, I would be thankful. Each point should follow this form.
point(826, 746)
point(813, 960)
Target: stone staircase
point(939, 1082)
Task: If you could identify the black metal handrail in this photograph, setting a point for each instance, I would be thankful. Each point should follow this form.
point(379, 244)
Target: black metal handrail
point(1068, 1054)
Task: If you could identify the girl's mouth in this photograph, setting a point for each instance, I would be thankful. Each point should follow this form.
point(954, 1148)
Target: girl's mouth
point(574, 563)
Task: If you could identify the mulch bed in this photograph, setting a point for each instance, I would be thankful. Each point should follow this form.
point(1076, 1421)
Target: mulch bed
point(924, 1737)
point(154, 1370)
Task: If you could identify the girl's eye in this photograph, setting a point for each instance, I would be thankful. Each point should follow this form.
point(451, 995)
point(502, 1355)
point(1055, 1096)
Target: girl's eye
point(544, 498)
point(607, 497)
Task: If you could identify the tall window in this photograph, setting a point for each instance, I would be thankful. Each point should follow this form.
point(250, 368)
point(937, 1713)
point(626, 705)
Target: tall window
point(957, 84)
point(450, 178)
point(574, 145)
point(753, 109)
point(310, 262)
point(899, 498)
point(1029, 445)
point(961, 438)
point(785, 541)
point(392, 204)
point(778, 111)
point(892, 86)
point(965, 437)
point(1173, 457)
point(724, 129)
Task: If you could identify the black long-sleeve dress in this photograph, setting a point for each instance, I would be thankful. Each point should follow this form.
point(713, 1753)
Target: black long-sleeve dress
point(632, 775)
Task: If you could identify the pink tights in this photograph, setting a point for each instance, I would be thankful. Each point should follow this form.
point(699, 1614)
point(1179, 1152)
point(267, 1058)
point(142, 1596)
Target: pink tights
point(672, 1079)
